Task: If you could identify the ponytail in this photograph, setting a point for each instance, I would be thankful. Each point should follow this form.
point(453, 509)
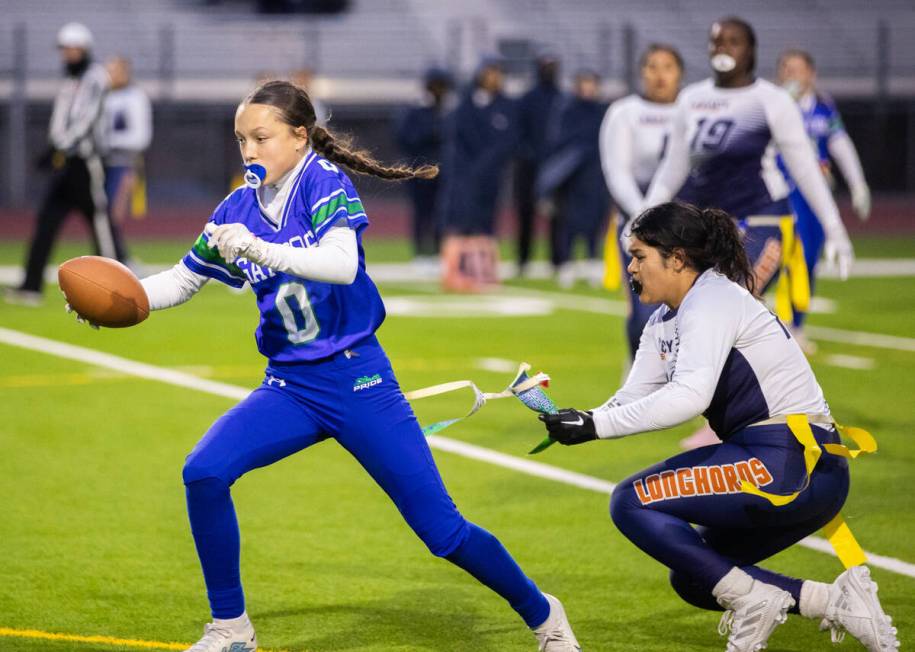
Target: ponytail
point(296, 110)
point(707, 237)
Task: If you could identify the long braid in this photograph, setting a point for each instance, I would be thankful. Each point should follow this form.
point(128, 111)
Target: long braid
point(297, 110)
point(339, 150)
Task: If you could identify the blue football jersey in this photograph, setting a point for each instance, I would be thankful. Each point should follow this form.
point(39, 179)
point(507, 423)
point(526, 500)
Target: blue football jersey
point(821, 122)
point(300, 319)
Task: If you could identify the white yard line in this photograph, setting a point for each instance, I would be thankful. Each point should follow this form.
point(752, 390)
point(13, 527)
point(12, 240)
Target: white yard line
point(860, 338)
point(519, 464)
point(849, 361)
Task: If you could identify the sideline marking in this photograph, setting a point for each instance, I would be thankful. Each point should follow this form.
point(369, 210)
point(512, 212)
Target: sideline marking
point(10, 632)
point(849, 361)
point(522, 465)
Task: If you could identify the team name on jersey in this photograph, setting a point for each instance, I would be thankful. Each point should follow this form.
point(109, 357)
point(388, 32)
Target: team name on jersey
point(258, 274)
point(716, 479)
point(708, 105)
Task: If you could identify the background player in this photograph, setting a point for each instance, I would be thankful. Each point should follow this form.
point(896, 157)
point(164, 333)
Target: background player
point(797, 75)
point(297, 239)
point(713, 348)
point(720, 154)
point(633, 137)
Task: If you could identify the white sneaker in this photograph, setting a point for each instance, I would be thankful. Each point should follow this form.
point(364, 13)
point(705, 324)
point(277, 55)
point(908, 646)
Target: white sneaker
point(221, 637)
point(853, 607)
point(751, 618)
point(555, 634)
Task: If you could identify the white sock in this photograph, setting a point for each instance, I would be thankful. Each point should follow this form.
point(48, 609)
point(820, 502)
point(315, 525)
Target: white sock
point(733, 585)
point(814, 598)
point(235, 624)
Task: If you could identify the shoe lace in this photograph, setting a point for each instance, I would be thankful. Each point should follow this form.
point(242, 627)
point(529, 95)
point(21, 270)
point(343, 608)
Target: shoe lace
point(212, 633)
point(726, 622)
point(556, 635)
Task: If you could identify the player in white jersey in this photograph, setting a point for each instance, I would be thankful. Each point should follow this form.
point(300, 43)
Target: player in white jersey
point(722, 153)
point(633, 136)
point(714, 348)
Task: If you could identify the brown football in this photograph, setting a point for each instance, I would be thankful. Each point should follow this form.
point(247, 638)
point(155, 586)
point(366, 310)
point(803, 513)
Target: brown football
point(103, 291)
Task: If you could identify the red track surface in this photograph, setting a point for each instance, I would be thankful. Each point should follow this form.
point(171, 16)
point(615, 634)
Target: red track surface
point(891, 216)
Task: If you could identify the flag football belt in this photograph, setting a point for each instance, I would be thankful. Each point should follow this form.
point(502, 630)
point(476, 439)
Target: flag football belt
point(836, 531)
point(524, 387)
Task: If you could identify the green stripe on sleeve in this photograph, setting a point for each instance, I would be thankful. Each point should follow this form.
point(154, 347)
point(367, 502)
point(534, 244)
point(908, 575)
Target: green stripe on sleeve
point(353, 207)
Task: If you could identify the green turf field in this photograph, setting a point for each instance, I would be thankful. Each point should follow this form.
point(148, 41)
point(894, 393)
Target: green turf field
point(95, 540)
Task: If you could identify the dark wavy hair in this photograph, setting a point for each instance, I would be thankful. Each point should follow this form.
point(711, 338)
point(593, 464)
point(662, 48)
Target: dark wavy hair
point(707, 237)
point(662, 47)
point(296, 110)
point(749, 33)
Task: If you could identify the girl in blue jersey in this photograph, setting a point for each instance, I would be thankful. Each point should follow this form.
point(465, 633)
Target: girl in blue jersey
point(713, 348)
point(296, 238)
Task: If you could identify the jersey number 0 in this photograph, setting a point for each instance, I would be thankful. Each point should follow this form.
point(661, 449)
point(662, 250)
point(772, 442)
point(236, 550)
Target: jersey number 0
point(298, 315)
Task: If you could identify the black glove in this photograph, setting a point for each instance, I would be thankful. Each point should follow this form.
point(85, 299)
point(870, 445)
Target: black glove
point(570, 426)
point(49, 159)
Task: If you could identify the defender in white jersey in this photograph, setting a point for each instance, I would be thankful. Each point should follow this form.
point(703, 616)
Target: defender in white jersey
point(713, 348)
point(722, 153)
point(633, 137)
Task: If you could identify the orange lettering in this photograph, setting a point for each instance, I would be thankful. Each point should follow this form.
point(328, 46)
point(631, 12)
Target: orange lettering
point(763, 477)
point(685, 482)
point(715, 475)
point(700, 475)
point(669, 479)
point(654, 487)
point(743, 470)
point(730, 476)
point(640, 492)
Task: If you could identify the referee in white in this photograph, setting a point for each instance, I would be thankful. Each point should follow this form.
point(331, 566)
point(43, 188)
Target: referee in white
point(74, 154)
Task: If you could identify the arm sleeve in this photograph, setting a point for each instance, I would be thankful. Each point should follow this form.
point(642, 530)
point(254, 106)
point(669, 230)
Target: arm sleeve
point(787, 129)
point(85, 112)
point(172, 287)
point(707, 332)
point(138, 134)
point(843, 151)
point(334, 260)
point(616, 160)
point(675, 167)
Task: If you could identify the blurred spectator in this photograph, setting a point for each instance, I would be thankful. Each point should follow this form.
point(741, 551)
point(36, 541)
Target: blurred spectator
point(536, 110)
point(573, 177)
point(480, 137)
point(128, 124)
point(304, 78)
point(74, 157)
point(419, 134)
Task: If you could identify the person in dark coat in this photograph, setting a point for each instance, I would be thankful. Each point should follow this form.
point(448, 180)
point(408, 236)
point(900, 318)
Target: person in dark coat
point(536, 109)
point(573, 177)
point(420, 136)
point(481, 136)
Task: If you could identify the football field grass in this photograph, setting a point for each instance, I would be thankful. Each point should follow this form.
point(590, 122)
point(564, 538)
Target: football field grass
point(95, 540)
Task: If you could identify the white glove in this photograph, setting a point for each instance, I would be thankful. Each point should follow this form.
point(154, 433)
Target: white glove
point(80, 319)
point(839, 254)
point(232, 240)
point(861, 202)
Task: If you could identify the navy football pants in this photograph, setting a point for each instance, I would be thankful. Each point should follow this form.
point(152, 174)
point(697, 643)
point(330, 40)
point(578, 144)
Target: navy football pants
point(357, 401)
point(658, 508)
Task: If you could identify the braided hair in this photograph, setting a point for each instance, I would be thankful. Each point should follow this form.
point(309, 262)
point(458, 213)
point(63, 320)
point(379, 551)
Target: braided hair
point(296, 110)
point(707, 237)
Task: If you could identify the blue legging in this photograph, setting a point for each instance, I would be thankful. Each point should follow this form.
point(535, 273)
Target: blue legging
point(355, 400)
point(655, 508)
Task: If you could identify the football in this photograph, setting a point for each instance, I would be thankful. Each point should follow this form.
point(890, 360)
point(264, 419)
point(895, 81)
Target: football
point(103, 291)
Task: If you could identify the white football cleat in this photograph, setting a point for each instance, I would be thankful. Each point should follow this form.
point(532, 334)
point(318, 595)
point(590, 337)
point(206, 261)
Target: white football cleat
point(853, 607)
point(751, 618)
point(555, 634)
point(223, 637)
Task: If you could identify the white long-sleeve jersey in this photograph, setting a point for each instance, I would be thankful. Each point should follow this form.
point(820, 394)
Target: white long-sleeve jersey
point(633, 136)
point(722, 153)
point(128, 124)
point(721, 354)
